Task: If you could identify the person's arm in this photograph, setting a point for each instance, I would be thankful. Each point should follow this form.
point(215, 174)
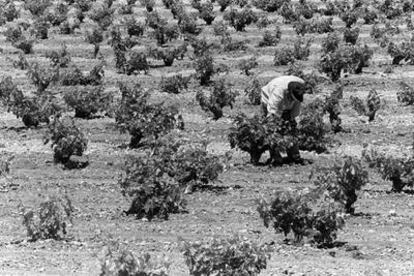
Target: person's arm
point(295, 110)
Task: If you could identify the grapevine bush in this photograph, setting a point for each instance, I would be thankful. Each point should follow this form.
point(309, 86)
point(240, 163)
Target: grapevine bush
point(232, 256)
point(220, 97)
point(204, 67)
point(351, 35)
point(370, 107)
point(256, 135)
point(124, 262)
point(399, 170)
point(60, 58)
point(254, 91)
point(88, 100)
point(239, 19)
point(302, 214)
point(32, 111)
point(342, 181)
point(49, 220)
point(143, 119)
point(271, 37)
point(347, 58)
point(174, 84)
point(67, 140)
point(248, 64)
point(405, 94)
point(312, 130)
point(41, 76)
point(153, 193)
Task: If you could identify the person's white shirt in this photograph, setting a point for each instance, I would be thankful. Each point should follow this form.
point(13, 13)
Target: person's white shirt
point(276, 98)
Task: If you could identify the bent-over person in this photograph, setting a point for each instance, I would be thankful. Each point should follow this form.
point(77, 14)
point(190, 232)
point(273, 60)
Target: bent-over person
point(282, 97)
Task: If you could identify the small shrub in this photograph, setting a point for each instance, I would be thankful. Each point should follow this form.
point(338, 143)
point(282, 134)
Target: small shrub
point(254, 91)
point(269, 5)
point(316, 25)
point(401, 52)
point(370, 107)
point(256, 135)
point(33, 111)
point(230, 44)
point(248, 64)
point(350, 17)
point(24, 44)
point(349, 58)
point(188, 162)
point(330, 43)
point(283, 56)
point(406, 94)
point(56, 13)
point(204, 67)
point(312, 130)
point(67, 140)
point(301, 48)
point(306, 9)
point(351, 35)
point(41, 76)
point(330, 9)
point(134, 27)
point(369, 15)
point(224, 4)
point(125, 263)
point(21, 63)
point(206, 12)
point(148, 4)
point(399, 170)
point(70, 76)
point(94, 36)
point(40, 28)
point(136, 62)
point(333, 108)
point(153, 192)
point(220, 28)
point(118, 44)
point(342, 181)
point(143, 119)
point(59, 58)
point(10, 12)
point(271, 37)
point(164, 33)
point(101, 13)
point(234, 256)
point(188, 24)
point(299, 214)
point(88, 100)
point(220, 97)
point(66, 28)
point(13, 33)
point(50, 219)
point(288, 13)
point(263, 22)
point(200, 46)
point(174, 84)
point(239, 19)
point(36, 7)
point(167, 54)
point(378, 33)
point(95, 76)
point(153, 20)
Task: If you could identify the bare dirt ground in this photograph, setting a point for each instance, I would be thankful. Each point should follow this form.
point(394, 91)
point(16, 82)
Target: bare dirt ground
point(378, 241)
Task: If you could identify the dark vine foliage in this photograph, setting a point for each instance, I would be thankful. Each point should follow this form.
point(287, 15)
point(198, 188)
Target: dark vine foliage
point(142, 119)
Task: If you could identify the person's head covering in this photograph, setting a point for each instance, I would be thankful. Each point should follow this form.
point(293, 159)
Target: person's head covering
point(297, 89)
